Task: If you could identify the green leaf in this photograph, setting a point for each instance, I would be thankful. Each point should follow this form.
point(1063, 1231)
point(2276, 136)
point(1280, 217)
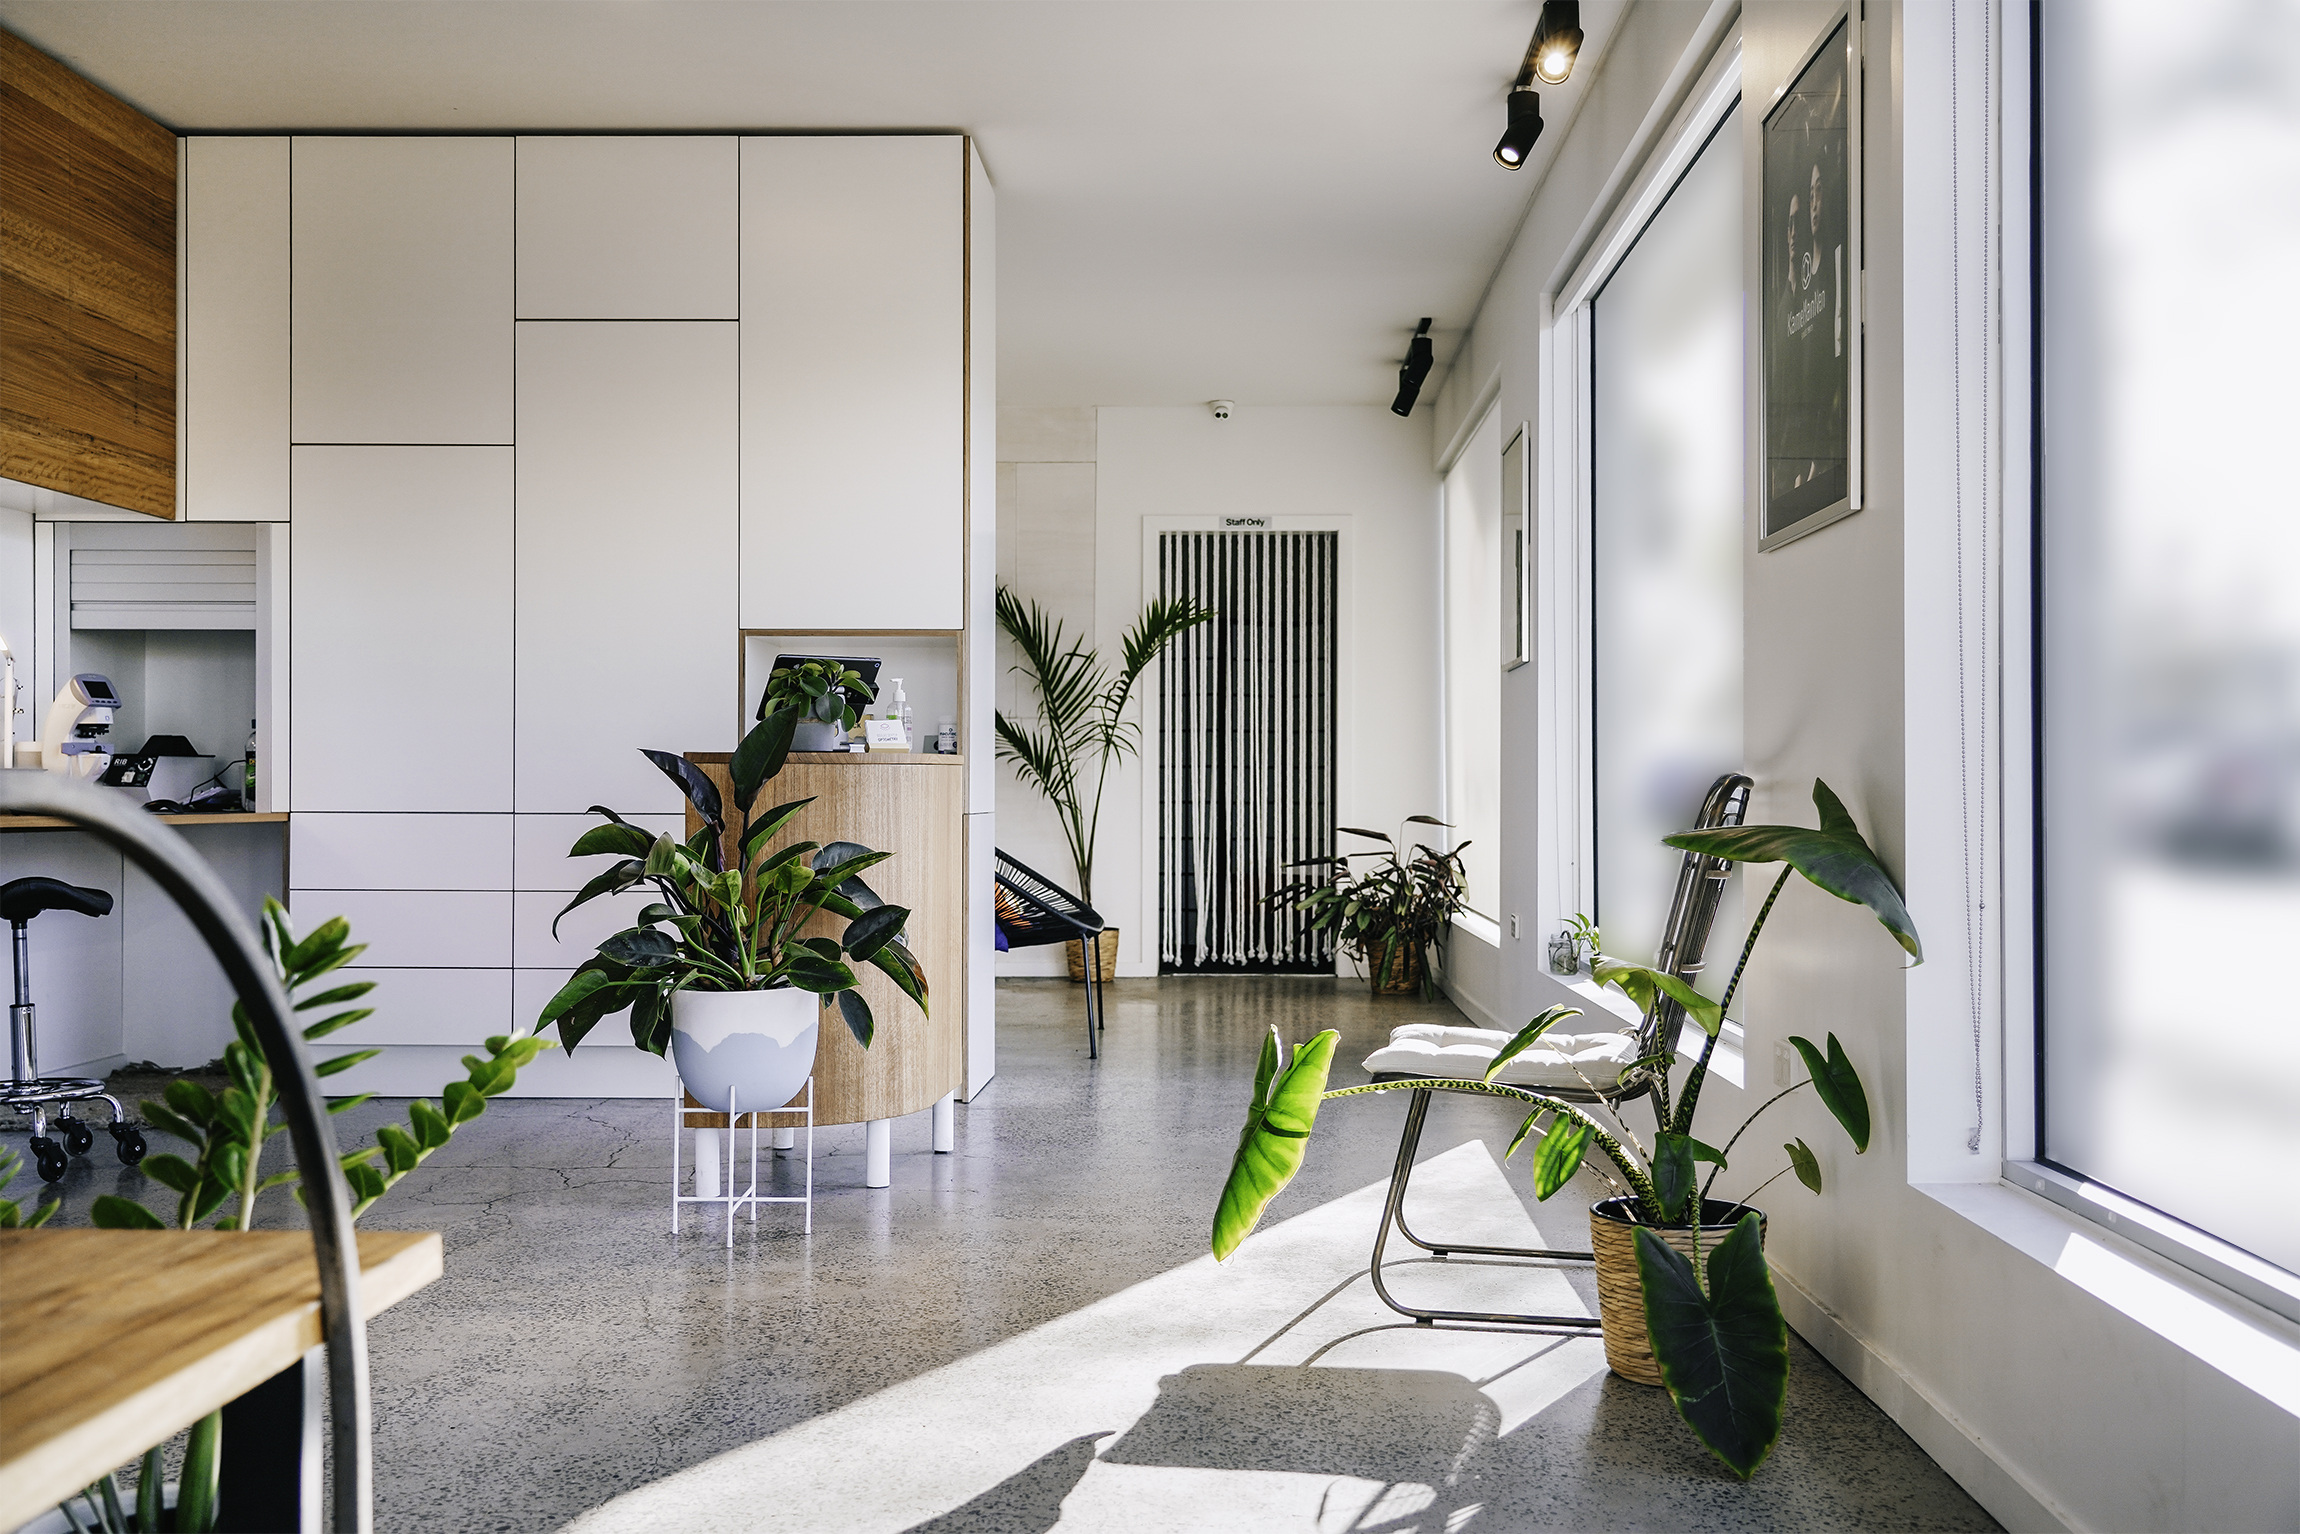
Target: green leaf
point(1645, 986)
point(336, 997)
point(1840, 1088)
point(167, 1121)
point(640, 947)
point(1724, 1354)
point(873, 930)
point(617, 837)
point(856, 1011)
point(1674, 1176)
point(399, 1149)
point(898, 964)
point(325, 939)
point(1835, 857)
point(336, 1065)
point(431, 1128)
point(696, 784)
point(1526, 1038)
point(613, 882)
point(1807, 1164)
point(1276, 1136)
point(278, 1179)
point(172, 1172)
point(765, 826)
point(339, 1104)
point(761, 755)
point(111, 1212)
point(823, 979)
point(1558, 1156)
point(462, 1101)
point(367, 1183)
point(337, 1023)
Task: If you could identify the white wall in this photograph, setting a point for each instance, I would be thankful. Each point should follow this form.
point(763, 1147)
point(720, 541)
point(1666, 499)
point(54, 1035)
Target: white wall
point(2059, 1374)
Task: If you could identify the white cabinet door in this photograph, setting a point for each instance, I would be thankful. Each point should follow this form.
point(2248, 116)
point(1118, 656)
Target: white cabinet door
point(402, 302)
point(416, 929)
point(401, 624)
point(540, 842)
point(626, 558)
point(626, 228)
point(401, 852)
point(233, 396)
point(854, 381)
point(459, 1007)
point(581, 931)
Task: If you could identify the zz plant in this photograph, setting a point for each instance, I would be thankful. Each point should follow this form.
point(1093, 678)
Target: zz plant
point(1716, 1326)
point(742, 928)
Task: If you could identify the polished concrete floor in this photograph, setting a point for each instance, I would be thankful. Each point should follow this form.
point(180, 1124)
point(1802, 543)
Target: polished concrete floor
point(576, 1352)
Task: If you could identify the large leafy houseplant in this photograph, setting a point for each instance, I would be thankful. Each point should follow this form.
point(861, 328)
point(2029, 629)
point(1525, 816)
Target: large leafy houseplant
point(1716, 1326)
point(1081, 730)
point(715, 927)
point(223, 1177)
point(1390, 913)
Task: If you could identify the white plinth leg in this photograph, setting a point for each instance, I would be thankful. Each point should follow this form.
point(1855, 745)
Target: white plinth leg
point(706, 1163)
point(878, 1154)
point(945, 1123)
point(787, 1139)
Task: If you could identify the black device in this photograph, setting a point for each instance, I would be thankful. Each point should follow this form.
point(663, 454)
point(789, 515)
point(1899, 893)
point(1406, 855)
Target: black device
point(130, 771)
point(1420, 354)
point(866, 666)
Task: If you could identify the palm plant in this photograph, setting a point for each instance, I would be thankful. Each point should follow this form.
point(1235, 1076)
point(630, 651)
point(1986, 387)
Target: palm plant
point(1081, 729)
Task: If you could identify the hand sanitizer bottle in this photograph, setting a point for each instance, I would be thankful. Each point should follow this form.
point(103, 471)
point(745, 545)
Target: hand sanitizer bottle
point(901, 713)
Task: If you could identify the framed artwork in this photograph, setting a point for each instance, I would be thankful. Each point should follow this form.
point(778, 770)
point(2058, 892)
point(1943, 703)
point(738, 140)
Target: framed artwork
point(1516, 555)
point(1810, 316)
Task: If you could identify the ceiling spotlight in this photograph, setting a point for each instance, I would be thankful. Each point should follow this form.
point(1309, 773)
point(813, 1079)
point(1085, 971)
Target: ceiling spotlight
point(1419, 355)
point(1556, 42)
point(1524, 127)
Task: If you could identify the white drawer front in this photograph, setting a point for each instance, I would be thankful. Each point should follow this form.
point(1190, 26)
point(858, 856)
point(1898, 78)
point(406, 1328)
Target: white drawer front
point(540, 843)
point(458, 1007)
point(416, 929)
point(401, 852)
point(533, 947)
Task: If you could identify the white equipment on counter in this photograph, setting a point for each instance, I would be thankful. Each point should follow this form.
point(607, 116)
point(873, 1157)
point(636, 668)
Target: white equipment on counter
point(73, 742)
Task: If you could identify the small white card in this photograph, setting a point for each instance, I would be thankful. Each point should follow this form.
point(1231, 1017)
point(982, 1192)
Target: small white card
point(885, 735)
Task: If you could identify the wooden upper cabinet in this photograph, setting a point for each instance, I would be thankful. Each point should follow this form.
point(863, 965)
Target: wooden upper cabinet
point(87, 289)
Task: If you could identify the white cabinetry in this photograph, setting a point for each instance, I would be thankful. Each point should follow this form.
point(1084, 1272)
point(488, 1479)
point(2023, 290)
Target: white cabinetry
point(854, 382)
point(626, 228)
point(626, 549)
point(234, 389)
point(401, 632)
point(402, 296)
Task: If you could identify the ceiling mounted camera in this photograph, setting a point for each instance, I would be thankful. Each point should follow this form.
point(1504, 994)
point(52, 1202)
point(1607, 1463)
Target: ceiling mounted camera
point(1221, 408)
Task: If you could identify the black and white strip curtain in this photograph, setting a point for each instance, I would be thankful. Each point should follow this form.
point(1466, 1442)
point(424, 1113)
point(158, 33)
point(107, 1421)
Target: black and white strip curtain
point(1246, 748)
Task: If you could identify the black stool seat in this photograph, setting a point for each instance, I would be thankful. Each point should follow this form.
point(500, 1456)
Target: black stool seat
point(23, 899)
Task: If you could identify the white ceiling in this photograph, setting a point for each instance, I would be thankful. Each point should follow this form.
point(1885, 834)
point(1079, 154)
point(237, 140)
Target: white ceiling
point(1251, 199)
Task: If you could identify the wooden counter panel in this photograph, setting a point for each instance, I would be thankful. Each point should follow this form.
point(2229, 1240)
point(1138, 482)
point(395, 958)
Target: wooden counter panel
point(914, 808)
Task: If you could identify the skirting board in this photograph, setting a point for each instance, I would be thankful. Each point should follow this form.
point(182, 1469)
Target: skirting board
point(1954, 1446)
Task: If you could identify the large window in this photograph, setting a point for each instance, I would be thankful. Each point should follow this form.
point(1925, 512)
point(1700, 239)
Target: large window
point(1666, 533)
point(2169, 623)
point(1473, 663)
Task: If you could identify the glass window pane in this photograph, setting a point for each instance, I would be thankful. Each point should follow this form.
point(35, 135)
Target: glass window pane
point(2171, 615)
point(1667, 427)
point(1472, 666)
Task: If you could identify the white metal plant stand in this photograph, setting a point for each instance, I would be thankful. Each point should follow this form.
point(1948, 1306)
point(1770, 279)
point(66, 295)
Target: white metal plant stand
point(751, 1195)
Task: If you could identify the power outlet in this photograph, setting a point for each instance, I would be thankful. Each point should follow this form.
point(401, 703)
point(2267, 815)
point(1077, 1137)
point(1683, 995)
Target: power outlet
point(1784, 1063)
point(1513, 926)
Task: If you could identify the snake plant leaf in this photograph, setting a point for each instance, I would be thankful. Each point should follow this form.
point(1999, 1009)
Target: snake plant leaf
point(1835, 857)
point(1807, 1164)
point(1643, 986)
point(1558, 1156)
point(761, 755)
point(1527, 1037)
point(1276, 1136)
point(1840, 1087)
point(856, 1011)
point(1724, 1354)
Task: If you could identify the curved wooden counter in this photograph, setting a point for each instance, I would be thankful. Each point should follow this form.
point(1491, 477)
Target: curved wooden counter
point(912, 805)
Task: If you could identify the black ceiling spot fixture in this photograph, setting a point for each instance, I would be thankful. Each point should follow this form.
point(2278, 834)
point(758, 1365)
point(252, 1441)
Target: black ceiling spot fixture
point(1549, 59)
point(1419, 355)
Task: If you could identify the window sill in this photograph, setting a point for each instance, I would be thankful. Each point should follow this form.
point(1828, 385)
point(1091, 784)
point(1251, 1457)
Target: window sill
point(1483, 928)
point(2257, 1348)
point(1603, 1003)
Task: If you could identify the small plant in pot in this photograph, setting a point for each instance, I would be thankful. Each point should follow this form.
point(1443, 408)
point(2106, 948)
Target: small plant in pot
point(1695, 1289)
point(1389, 914)
point(722, 968)
point(826, 698)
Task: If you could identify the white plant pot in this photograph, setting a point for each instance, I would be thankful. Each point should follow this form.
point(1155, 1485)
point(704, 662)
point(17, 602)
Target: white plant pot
point(758, 1046)
point(816, 735)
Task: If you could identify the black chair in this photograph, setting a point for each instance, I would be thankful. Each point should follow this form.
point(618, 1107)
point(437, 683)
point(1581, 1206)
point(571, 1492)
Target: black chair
point(26, 1090)
point(1033, 911)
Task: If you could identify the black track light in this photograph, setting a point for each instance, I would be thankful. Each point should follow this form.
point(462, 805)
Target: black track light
point(1556, 42)
point(1419, 355)
point(1524, 128)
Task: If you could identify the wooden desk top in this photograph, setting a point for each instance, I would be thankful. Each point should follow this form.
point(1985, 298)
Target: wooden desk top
point(236, 818)
point(115, 1339)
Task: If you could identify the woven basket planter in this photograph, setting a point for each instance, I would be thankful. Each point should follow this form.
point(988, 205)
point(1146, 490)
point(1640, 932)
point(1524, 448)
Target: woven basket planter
point(1396, 968)
point(1621, 1289)
point(1105, 953)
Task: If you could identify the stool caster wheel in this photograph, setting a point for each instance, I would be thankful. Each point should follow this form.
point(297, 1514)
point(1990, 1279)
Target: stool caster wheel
point(78, 1137)
point(129, 1141)
point(48, 1157)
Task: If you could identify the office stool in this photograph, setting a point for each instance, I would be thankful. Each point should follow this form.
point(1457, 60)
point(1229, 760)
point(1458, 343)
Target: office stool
point(26, 1089)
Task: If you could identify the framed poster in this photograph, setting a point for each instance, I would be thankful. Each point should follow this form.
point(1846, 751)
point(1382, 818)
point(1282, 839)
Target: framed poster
point(1810, 316)
point(1516, 555)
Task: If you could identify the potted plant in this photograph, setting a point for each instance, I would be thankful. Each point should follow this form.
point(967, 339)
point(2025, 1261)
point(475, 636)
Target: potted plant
point(1699, 1290)
point(722, 968)
point(827, 698)
point(1389, 914)
point(1081, 728)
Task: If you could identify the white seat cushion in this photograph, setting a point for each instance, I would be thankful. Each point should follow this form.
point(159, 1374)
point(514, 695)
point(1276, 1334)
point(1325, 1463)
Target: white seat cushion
point(1462, 1054)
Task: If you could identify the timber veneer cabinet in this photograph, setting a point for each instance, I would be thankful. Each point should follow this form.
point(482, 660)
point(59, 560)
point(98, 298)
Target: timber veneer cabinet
point(87, 289)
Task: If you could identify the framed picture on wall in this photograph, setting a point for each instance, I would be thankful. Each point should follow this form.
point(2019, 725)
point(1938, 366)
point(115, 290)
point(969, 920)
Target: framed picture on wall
point(1809, 317)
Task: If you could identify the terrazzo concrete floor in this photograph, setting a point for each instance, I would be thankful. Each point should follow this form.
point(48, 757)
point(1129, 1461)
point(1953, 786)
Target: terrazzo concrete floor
point(578, 1359)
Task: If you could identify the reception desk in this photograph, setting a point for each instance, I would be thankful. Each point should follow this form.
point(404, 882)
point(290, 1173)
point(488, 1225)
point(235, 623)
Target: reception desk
point(912, 805)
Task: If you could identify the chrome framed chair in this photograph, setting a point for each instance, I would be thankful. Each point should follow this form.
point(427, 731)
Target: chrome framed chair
point(1579, 1068)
